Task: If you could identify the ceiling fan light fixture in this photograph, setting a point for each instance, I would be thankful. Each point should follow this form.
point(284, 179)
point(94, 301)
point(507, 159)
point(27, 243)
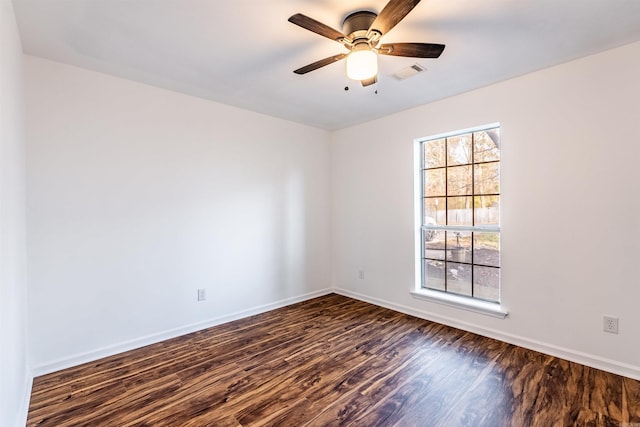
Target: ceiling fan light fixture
point(362, 64)
point(361, 33)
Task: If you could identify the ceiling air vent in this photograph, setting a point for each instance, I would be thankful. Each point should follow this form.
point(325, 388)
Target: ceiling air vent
point(405, 73)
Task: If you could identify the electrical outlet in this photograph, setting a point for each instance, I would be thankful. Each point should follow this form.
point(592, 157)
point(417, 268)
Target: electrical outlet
point(610, 324)
point(361, 274)
point(202, 294)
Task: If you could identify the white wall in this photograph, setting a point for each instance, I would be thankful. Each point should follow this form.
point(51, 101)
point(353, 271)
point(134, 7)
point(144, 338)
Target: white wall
point(569, 209)
point(15, 379)
point(139, 196)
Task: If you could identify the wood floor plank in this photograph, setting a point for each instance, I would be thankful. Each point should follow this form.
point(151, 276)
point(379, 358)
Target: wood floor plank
point(332, 361)
point(374, 387)
point(630, 401)
point(439, 387)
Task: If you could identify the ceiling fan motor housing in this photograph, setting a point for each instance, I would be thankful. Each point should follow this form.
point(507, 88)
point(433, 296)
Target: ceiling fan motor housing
point(356, 25)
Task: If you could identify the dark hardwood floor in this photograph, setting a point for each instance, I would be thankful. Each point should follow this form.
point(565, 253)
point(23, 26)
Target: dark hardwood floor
point(333, 361)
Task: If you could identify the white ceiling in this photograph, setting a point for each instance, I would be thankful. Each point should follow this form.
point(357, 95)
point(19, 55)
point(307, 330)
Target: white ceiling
point(243, 52)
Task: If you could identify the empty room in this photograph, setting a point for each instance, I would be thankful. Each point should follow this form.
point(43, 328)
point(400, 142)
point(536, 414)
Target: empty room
point(313, 213)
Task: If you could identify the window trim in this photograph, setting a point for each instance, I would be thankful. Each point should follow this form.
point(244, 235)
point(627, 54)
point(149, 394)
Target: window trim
point(495, 309)
point(457, 301)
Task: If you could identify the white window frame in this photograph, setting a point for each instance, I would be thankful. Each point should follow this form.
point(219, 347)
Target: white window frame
point(495, 309)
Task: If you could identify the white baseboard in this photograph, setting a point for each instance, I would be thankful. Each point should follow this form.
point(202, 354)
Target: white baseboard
point(23, 412)
point(111, 350)
point(597, 362)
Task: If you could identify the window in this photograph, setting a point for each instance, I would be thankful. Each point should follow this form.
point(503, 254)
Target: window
point(460, 214)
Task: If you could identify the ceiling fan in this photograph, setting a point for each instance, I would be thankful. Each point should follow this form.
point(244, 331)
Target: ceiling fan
point(361, 34)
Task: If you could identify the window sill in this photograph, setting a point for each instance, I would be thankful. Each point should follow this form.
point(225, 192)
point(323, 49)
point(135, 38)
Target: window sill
point(482, 307)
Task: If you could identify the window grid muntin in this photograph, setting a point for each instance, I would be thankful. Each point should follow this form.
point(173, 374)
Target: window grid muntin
point(452, 228)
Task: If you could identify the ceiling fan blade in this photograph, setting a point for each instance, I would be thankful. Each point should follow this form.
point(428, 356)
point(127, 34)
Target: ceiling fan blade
point(369, 82)
point(391, 14)
point(316, 27)
point(321, 63)
point(412, 50)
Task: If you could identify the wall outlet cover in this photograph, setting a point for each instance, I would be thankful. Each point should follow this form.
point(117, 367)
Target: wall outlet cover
point(610, 324)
